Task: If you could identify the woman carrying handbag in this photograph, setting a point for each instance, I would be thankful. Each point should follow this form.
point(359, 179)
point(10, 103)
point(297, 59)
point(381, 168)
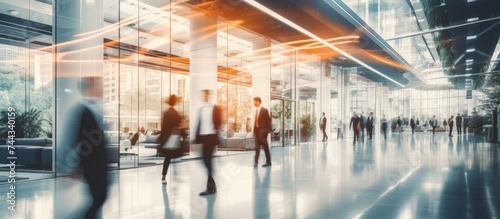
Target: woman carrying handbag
point(172, 128)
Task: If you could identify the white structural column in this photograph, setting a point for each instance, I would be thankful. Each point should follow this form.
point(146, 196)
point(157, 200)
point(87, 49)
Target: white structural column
point(77, 55)
point(261, 71)
point(325, 97)
point(203, 63)
point(344, 95)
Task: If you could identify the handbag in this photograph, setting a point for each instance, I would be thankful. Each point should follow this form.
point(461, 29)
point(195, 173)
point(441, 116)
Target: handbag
point(174, 141)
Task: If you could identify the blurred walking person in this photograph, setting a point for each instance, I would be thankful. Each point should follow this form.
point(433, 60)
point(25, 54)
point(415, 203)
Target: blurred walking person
point(356, 126)
point(383, 126)
point(208, 125)
point(171, 120)
point(93, 163)
point(450, 123)
point(459, 124)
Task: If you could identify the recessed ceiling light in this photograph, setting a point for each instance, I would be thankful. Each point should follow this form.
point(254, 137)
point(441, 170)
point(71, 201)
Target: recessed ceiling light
point(469, 60)
point(13, 12)
point(468, 1)
point(468, 69)
point(472, 19)
point(471, 50)
point(471, 37)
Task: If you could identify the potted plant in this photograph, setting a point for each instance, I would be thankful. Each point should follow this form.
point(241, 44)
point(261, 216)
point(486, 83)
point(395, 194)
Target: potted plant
point(305, 127)
point(476, 122)
point(394, 124)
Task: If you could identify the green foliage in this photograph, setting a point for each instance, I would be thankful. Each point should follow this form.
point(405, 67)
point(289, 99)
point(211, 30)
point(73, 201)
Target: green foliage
point(27, 124)
point(491, 98)
point(477, 122)
point(306, 129)
point(276, 111)
point(12, 90)
point(47, 125)
point(394, 123)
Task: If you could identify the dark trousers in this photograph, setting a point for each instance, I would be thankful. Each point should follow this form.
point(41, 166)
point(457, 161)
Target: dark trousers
point(459, 129)
point(384, 131)
point(166, 163)
point(323, 129)
point(369, 130)
point(261, 140)
point(433, 129)
point(451, 129)
point(169, 155)
point(209, 142)
point(356, 136)
point(99, 190)
point(339, 133)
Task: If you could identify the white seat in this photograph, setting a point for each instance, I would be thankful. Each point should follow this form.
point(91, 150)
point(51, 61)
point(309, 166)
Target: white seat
point(125, 145)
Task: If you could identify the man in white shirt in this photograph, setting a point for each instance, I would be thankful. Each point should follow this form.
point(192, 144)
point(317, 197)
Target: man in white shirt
point(209, 122)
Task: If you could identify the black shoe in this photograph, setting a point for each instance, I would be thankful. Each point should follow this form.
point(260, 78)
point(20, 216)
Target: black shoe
point(255, 165)
point(208, 192)
point(266, 165)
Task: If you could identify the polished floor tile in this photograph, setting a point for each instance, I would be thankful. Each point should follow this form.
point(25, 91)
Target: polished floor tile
point(406, 176)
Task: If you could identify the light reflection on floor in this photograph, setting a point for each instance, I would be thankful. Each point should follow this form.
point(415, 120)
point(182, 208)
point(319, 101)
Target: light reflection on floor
point(407, 176)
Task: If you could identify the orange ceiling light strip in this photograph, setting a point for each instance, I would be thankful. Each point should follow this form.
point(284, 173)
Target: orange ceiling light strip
point(319, 39)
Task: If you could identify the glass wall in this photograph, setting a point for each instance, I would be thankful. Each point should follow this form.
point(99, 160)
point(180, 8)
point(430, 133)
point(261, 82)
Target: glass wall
point(141, 51)
point(26, 90)
point(441, 101)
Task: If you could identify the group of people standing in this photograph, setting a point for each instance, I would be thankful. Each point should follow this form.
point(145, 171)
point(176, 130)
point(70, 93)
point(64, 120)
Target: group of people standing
point(359, 124)
point(458, 122)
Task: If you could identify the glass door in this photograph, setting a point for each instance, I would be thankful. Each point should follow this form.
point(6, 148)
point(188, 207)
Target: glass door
point(283, 122)
point(289, 122)
point(277, 122)
point(307, 121)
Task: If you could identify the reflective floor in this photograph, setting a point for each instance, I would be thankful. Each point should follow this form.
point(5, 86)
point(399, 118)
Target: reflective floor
point(406, 176)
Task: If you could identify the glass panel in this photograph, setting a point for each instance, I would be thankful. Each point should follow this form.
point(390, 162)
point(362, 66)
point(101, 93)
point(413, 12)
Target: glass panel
point(26, 89)
point(281, 72)
point(277, 110)
point(307, 123)
point(289, 123)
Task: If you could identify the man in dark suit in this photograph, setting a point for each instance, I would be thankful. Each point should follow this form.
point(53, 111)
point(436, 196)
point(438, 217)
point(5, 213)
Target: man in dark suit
point(369, 125)
point(459, 124)
point(322, 127)
point(450, 123)
point(209, 123)
point(412, 125)
point(93, 157)
point(356, 126)
point(362, 123)
point(261, 128)
point(433, 123)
